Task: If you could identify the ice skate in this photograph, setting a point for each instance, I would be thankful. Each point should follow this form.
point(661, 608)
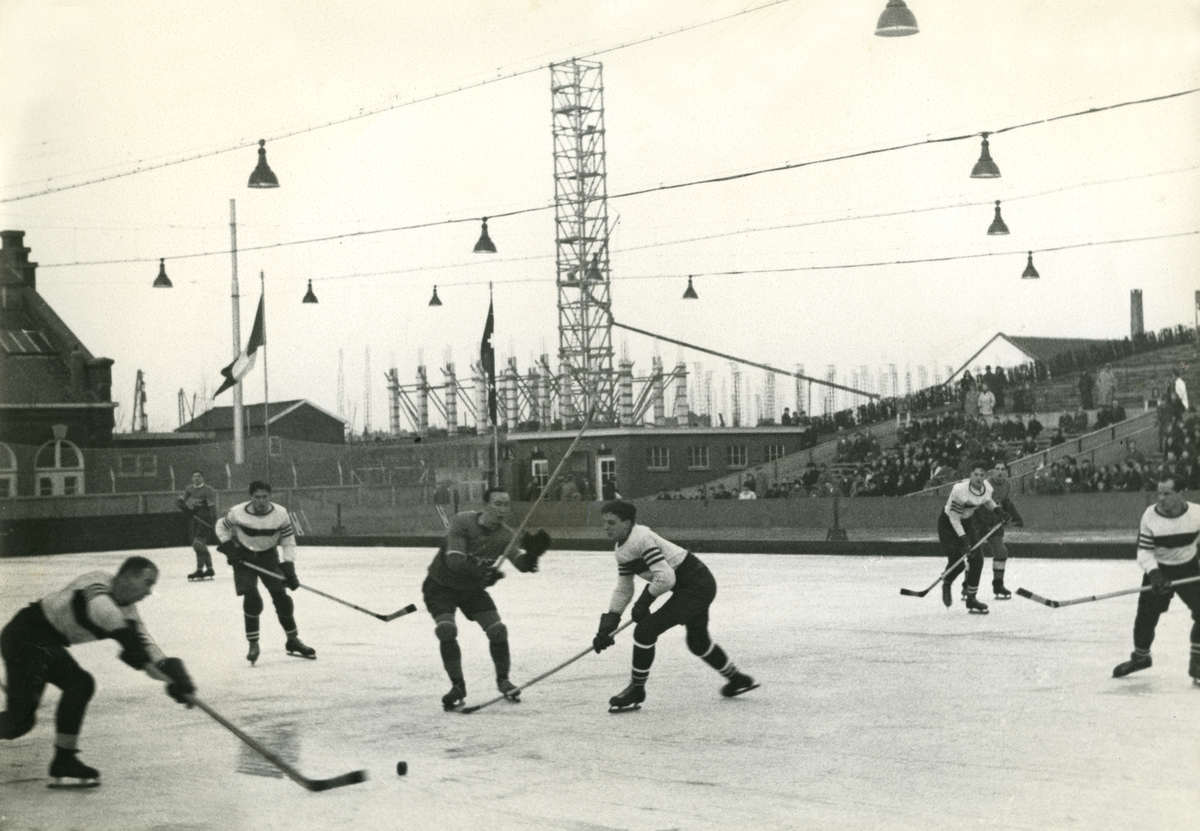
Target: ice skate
point(999, 592)
point(209, 573)
point(1194, 667)
point(297, 647)
point(454, 699)
point(1134, 663)
point(509, 690)
point(66, 771)
point(630, 698)
point(252, 652)
point(947, 594)
point(738, 683)
point(976, 606)
point(199, 574)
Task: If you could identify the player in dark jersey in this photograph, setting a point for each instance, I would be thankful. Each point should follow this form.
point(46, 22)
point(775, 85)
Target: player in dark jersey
point(667, 567)
point(199, 502)
point(1166, 551)
point(93, 606)
point(458, 578)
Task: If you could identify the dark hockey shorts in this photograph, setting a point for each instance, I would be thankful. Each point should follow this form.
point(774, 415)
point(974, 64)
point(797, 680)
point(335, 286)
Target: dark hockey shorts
point(245, 579)
point(442, 600)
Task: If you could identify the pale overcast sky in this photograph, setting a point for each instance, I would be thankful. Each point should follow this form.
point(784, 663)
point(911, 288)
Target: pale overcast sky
point(96, 89)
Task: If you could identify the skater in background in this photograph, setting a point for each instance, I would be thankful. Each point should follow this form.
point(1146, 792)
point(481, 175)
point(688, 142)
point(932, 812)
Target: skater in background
point(1002, 496)
point(93, 606)
point(199, 502)
point(459, 577)
point(959, 529)
point(1166, 551)
point(254, 532)
point(667, 568)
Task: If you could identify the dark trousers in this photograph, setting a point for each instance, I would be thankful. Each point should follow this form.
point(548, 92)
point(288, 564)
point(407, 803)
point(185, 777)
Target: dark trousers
point(34, 656)
point(952, 548)
point(1151, 606)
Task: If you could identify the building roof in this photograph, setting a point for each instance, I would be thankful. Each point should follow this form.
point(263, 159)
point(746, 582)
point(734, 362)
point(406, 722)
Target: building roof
point(221, 418)
point(1046, 349)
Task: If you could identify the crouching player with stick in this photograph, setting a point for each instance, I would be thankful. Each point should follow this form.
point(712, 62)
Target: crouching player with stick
point(667, 568)
point(459, 576)
point(253, 532)
point(1166, 551)
point(94, 606)
point(958, 530)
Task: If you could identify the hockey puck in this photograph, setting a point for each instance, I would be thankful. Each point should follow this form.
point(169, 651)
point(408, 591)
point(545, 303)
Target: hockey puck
point(401, 768)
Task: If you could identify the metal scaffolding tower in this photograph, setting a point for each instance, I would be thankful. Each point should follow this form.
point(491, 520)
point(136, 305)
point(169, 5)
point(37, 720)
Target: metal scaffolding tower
point(581, 239)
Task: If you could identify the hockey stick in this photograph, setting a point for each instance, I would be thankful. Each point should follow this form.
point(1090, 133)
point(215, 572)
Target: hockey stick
point(1054, 604)
point(409, 609)
point(476, 708)
point(967, 553)
point(351, 778)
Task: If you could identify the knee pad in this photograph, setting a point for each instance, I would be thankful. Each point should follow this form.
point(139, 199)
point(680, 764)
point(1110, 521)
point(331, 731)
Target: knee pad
point(252, 604)
point(698, 643)
point(645, 633)
point(445, 630)
point(497, 632)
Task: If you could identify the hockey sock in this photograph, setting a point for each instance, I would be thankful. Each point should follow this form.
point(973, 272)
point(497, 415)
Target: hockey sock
point(1138, 652)
point(66, 741)
point(500, 657)
point(251, 627)
point(451, 659)
point(643, 657)
point(998, 569)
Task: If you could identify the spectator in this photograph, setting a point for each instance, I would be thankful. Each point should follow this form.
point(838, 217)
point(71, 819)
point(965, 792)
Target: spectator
point(1179, 393)
point(1086, 382)
point(786, 418)
point(1106, 386)
point(987, 404)
point(1033, 428)
point(746, 492)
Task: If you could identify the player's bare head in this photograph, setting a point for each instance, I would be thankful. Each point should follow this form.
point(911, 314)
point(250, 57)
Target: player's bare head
point(978, 473)
point(497, 502)
point(999, 470)
point(259, 485)
point(1169, 495)
point(135, 579)
point(197, 476)
point(618, 517)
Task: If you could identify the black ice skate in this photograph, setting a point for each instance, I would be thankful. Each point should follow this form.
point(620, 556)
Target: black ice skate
point(453, 700)
point(975, 606)
point(509, 690)
point(66, 771)
point(630, 698)
point(1194, 667)
point(252, 652)
point(999, 592)
point(199, 574)
point(297, 647)
point(1134, 663)
point(209, 573)
point(738, 683)
point(947, 594)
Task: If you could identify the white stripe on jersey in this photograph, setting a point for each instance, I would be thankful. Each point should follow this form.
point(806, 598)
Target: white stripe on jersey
point(643, 548)
point(963, 501)
point(259, 532)
point(95, 614)
point(1170, 541)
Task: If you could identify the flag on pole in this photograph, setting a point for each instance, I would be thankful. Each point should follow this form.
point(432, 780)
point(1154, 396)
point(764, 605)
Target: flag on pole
point(487, 359)
point(244, 362)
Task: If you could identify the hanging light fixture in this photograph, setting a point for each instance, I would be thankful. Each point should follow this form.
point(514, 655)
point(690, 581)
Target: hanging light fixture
point(593, 272)
point(690, 292)
point(162, 281)
point(896, 21)
point(1030, 273)
point(485, 244)
point(309, 297)
point(985, 168)
point(262, 175)
point(435, 300)
point(997, 228)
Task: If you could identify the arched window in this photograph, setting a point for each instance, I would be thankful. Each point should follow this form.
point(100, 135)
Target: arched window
point(8, 471)
point(58, 469)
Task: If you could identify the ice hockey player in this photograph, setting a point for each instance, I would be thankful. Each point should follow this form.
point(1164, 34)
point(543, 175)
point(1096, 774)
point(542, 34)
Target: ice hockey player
point(1166, 551)
point(667, 568)
point(199, 502)
point(254, 532)
point(958, 529)
point(1002, 496)
point(93, 606)
point(458, 578)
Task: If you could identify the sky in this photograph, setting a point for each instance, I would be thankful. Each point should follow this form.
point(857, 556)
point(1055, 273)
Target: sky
point(379, 115)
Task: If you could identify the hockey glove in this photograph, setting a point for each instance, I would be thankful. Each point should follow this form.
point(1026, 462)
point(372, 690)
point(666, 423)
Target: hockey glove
point(536, 544)
point(180, 685)
point(183, 506)
point(609, 621)
point(1162, 586)
point(233, 552)
point(289, 575)
point(491, 576)
point(1003, 516)
point(641, 609)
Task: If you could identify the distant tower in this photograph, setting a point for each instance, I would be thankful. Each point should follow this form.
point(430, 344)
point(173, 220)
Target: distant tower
point(769, 397)
point(581, 239)
point(1136, 324)
point(735, 405)
point(367, 393)
point(341, 385)
point(830, 392)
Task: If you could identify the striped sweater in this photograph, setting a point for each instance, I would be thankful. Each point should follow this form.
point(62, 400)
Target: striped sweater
point(1169, 541)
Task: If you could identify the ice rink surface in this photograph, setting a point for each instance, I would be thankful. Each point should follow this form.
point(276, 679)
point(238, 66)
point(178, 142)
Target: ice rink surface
point(875, 711)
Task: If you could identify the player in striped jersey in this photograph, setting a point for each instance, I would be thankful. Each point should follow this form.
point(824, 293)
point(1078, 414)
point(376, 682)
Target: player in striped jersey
point(958, 530)
point(253, 532)
point(1166, 551)
point(93, 606)
point(667, 568)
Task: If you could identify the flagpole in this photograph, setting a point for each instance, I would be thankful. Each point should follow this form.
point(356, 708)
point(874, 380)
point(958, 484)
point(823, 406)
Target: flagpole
point(262, 285)
point(239, 444)
point(495, 424)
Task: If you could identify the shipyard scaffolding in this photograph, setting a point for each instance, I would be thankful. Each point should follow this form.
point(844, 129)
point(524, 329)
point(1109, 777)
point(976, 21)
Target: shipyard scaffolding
point(587, 382)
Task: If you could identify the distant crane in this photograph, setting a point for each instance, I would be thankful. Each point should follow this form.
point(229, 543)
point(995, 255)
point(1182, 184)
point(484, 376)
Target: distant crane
point(138, 421)
point(187, 411)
